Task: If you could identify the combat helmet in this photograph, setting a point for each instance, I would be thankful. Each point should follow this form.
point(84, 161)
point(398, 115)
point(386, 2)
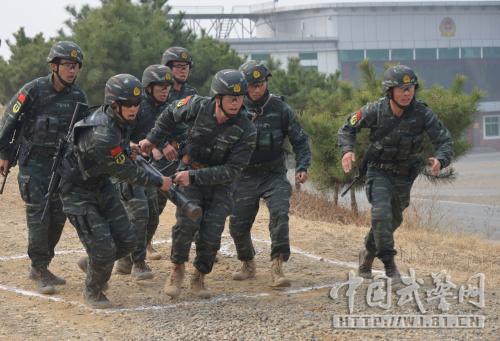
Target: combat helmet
point(399, 75)
point(176, 54)
point(229, 82)
point(255, 71)
point(67, 50)
point(123, 89)
point(157, 74)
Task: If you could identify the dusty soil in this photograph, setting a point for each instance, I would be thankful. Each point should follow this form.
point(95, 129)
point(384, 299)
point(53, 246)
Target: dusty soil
point(248, 310)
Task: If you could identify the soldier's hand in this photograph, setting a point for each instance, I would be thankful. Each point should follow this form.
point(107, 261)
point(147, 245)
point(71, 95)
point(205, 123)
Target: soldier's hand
point(135, 150)
point(146, 146)
point(4, 165)
point(182, 178)
point(347, 161)
point(157, 155)
point(301, 177)
point(170, 152)
point(435, 165)
point(167, 182)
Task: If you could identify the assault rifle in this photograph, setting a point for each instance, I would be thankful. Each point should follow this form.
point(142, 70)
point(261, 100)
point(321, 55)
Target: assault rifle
point(55, 177)
point(14, 150)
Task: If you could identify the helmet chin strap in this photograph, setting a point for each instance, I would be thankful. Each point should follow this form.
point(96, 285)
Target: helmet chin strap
point(66, 84)
point(224, 111)
point(402, 107)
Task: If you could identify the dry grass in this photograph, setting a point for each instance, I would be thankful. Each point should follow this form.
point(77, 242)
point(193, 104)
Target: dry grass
point(422, 242)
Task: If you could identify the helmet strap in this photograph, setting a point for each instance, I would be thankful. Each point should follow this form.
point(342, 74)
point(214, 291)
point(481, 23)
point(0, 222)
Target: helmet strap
point(222, 108)
point(66, 84)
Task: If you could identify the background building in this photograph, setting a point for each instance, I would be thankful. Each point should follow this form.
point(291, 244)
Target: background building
point(439, 39)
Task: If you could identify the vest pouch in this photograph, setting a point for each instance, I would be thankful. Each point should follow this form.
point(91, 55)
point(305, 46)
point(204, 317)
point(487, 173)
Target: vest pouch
point(405, 145)
point(388, 153)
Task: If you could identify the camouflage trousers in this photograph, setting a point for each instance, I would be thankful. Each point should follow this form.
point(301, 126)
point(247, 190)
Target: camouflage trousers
point(207, 231)
point(389, 195)
point(102, 226)
point(275, 189)
point(141, 204)
point(167, 168)
point(33, 179)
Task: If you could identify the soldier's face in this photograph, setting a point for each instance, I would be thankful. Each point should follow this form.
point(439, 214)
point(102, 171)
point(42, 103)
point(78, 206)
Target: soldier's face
point(160, 92)
point(180, 70)
point(68, 70)
point(403, 95)
point(129, 112)
point(257, 90)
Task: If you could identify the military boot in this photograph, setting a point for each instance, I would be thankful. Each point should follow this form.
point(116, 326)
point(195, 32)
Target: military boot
point(277, 276)
point(173, 286)
point(123, 266)
point(152, 253)
point(247, 270)
point(54, 280)
point(391, 270)
point(198, 285)
point(141, 271)
point(42, 278)
point(96, 300)
point(365, 264)
point(83, 264)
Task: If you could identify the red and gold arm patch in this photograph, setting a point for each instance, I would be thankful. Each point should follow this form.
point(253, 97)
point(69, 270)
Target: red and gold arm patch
point(118, 154)
point(183, 102)
point(355, 118)
point(21, 98)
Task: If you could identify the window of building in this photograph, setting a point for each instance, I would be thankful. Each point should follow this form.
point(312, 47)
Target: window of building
point(491, 127)
point(351, 55)
point(491, 52)
point(308, 56)
point(402, 54)
point(310, 67)
point(425, 54)
point(449, 53)
point(377, 55)
point(470, 52)
point(261, 56)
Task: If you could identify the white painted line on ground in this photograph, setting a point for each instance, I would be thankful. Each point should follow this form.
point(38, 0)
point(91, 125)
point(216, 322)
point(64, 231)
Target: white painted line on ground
point(225, 248)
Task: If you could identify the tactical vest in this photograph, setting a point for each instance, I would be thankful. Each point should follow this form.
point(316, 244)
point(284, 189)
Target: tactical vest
point(82, 141)
point(50, 116)
point(271, 124)
point(405, 142)
point(210, 143)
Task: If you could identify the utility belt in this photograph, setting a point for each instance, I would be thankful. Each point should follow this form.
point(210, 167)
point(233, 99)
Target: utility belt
point(265, 166)
point(91, 184)
point(28, 152)
point(186, 160)
point(391, 167)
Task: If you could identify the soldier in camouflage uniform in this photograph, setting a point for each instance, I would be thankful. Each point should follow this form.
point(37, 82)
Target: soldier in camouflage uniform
point(179, 60)
point(396, 159)
point(265, 176)
point(100, 149)
point(219, 146)
point(44, 108)
point(141, 203)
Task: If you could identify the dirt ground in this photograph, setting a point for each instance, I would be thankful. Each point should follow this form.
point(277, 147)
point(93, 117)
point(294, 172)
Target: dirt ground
point(323, 254)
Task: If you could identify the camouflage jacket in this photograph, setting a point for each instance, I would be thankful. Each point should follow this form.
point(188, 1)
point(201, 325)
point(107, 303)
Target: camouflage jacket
point(186, 90)
point(274, 121)
point(45, 117)
point(149, 111)
point(100, 147)
point(405, 142)
point(224, 149)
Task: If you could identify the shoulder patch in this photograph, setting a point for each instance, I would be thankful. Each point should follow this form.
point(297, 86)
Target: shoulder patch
point(118, 154)
point(183, 102)
point(355, 118)
point(19, 102)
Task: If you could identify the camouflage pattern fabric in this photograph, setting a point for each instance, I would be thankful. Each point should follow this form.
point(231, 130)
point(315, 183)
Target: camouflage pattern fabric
point(185, 91)
point(265, 176)
point(223, 150)
point(46, 118)
point(92, 202)
point(398, 162)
